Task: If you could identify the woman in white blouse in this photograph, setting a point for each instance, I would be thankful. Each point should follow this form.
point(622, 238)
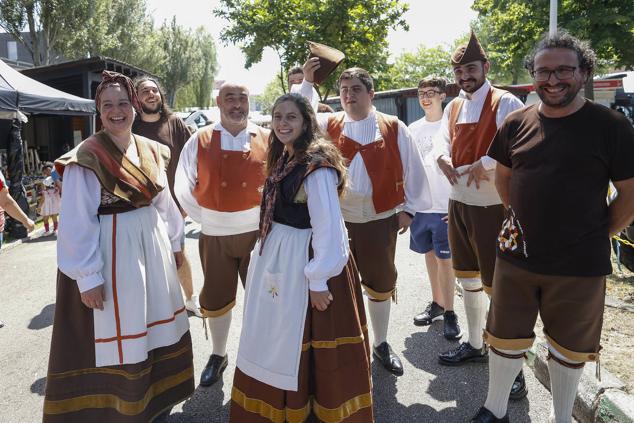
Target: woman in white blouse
point(303, 347)
point(121, 348)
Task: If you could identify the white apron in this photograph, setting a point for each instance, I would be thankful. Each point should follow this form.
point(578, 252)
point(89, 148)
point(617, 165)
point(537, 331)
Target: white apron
point(143, 307)
point(486, 195)
point(275, 304)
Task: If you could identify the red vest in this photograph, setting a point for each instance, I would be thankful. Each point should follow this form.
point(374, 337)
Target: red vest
point(230, 181)
point(470, 141)
point(382, 159)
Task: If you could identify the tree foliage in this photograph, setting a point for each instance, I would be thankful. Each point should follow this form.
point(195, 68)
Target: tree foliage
point(48, 23)
point(359, 28)
point(271, 92)
point(409, 68)
point(511, 28)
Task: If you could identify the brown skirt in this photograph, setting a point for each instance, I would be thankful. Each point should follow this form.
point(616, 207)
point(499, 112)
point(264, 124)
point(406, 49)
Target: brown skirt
point(334, 371)
point(77, 391)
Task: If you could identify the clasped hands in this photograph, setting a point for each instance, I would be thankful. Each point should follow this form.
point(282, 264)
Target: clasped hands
point(476, 172)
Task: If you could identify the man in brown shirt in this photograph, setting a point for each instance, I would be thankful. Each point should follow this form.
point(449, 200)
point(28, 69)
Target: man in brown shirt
point(158, 123)
point(555, 160)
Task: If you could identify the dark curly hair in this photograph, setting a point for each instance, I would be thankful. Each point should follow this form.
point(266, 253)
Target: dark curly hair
point(165, 110)
point(562, 39)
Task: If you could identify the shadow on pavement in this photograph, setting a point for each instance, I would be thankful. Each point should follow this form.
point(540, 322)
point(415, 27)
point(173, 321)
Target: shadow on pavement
point(38, 386)
point(466, 385)
point(205, 405)
point(44, 319)
point(43, 238)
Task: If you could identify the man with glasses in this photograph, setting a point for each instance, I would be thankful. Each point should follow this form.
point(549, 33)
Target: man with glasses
point(475, 210)
point(555, 160)
point(428, 231)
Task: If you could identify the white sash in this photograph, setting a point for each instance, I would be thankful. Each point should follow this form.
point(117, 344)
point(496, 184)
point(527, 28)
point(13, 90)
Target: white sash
point(486, 195)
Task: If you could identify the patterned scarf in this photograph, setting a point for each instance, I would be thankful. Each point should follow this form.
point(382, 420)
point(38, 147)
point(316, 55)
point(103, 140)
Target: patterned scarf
point(271, 189)
point(108, 79)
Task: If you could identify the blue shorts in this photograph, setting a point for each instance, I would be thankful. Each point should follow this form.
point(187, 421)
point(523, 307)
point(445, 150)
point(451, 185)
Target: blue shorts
point(429, 232)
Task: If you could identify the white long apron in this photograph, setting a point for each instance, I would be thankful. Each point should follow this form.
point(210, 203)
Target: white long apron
point(143, 307)
point(270, 348)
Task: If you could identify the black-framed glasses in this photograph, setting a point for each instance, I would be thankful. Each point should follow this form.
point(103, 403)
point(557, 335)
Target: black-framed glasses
point(563, 73)
point(428, 93)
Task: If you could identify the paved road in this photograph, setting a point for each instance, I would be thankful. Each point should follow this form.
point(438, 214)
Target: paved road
point(427, 392)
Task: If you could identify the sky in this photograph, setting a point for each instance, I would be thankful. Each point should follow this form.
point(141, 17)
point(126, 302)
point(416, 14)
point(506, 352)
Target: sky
point(431, 22)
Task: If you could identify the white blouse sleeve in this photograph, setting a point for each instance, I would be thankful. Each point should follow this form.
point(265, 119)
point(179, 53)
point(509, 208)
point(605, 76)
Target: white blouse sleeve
point(307, 89)
point(185, 180)
point(78, 254)
point(417, 191)
point(168, 210)
point(330, 238)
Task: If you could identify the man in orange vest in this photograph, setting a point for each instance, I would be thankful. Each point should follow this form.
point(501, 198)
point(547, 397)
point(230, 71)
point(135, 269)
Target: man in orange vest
point(476, 213)
point(387, 185)
point(219, 181)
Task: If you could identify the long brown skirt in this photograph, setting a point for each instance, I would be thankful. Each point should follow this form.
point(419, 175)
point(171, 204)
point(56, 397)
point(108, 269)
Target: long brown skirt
point(334, 371)
point(78, 391)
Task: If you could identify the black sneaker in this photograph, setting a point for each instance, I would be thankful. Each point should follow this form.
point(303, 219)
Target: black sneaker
point(519, 389)
point(432, 313)
point(451, 329)
point(465, 353)
point(485, 416)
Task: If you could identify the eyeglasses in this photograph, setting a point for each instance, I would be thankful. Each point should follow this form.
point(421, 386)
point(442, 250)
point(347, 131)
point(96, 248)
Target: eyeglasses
point(542, 75)
point(428, 94)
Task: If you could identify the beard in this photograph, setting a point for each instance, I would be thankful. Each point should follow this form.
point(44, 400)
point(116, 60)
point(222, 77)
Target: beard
point(149, 110)
point(563, 101)
point(475, 85)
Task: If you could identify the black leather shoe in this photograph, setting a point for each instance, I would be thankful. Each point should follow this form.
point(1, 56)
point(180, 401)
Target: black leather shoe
point(388, 359)
point(465, 353)
point(519, 389)
point(432, 313)
point(451, 329)
point(485, 416)
point(213, 370)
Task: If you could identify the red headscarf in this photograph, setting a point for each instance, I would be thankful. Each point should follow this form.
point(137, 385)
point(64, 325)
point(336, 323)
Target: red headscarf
point(109, 79)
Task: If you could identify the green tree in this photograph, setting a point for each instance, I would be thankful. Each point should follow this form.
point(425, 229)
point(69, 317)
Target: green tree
point(208, 66)
point(512, 28)
point(359, 28)
point(409, 68)
point(49, 23)
point(271, 92)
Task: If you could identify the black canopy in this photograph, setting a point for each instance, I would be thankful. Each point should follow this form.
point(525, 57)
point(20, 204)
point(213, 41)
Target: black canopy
point(21, 93)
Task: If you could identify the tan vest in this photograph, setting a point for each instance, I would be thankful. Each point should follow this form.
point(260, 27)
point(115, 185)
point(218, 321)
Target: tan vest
point(382, 159)
point(230, 181)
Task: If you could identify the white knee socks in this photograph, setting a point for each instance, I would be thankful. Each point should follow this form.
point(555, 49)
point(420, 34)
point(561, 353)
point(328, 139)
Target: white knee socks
point(379, 312)
point(475, 305)
point(502, 374)
point(563, 386)
point(219, 328)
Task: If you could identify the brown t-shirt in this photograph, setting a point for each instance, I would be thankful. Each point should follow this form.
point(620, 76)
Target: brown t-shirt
point(557, 223)
point(171, 132)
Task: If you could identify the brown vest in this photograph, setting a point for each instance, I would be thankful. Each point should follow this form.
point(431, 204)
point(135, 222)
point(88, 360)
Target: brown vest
point(382, 159)
point(135, 185)
point(230, 181)
point(470, 141)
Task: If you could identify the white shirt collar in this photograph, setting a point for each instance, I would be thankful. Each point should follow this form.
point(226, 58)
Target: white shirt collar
point(480, 93)
point(251, 129)
point(369, 116)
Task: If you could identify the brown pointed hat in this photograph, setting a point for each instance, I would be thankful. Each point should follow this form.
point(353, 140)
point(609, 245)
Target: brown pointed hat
point(470, 52)
point(329, 59)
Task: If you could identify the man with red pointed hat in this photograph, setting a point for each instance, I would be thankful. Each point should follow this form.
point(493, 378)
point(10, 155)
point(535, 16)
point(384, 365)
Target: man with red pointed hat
point(476, 213)
point(387, 185)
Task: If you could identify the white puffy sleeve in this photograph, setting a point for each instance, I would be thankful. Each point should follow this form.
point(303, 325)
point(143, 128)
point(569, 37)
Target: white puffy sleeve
point(307, 89)
point(330, 238)
point(78, 254)
point(169, 212)
point(185, 180)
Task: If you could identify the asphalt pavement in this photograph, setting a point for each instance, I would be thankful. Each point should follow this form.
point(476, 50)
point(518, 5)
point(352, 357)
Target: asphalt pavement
point(427, 392)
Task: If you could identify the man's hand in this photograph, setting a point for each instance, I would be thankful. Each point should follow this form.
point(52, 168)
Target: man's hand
point(93, 298)
point(476, 173)
point(179, 258)
point(444, 163)
point(404, 220)
point(311, 65)
point(320, 299)
point(29, 225)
